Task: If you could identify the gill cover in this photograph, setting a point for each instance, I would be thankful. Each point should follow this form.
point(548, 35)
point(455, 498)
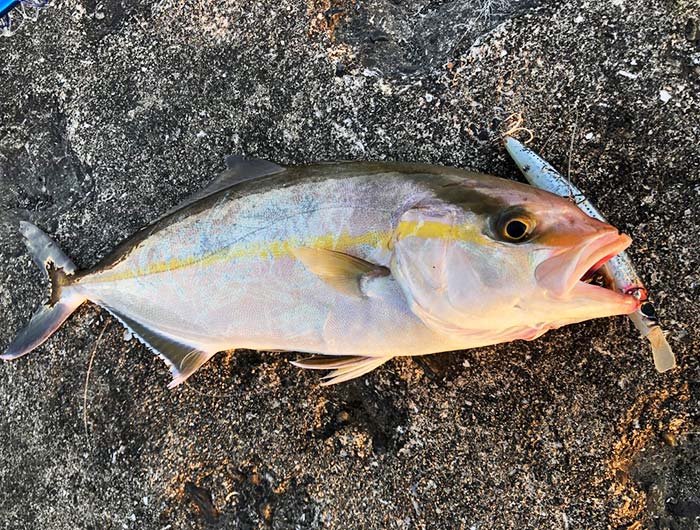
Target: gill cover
point(433, 264)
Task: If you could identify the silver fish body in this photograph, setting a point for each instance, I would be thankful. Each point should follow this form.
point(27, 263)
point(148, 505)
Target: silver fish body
point(223, 275)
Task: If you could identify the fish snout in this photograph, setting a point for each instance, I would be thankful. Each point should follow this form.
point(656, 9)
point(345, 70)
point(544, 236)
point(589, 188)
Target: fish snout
point(598, 228)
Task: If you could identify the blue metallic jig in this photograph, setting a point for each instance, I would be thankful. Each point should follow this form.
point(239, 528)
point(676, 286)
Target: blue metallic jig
point(8, 5)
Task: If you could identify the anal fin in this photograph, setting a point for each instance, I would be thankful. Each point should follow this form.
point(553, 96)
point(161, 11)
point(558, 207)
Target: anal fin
point(344, 367)
point(182, 359)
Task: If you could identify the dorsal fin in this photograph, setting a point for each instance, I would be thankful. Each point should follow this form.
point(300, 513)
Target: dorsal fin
point(241, 168)
point(238, 169)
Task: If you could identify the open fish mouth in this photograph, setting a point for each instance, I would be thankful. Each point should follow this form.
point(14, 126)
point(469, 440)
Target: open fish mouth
point(590, 260)
point(592, 273)
point(604, 249)
point(567, 273)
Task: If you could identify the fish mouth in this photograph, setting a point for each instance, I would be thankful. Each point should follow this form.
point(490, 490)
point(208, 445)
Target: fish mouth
point(566, 274)
point(596, 254)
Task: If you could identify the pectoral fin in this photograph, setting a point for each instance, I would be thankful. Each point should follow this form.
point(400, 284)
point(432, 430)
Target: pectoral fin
point(344, 367)
point(182, 359)
point(339, 270)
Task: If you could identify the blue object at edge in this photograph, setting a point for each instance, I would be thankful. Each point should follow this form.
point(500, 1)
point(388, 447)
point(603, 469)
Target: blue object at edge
point(7, 5)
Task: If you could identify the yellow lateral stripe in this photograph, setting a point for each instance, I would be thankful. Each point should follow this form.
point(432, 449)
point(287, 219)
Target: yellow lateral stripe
point(436, 230)
point(277, 249)
point(265, 250)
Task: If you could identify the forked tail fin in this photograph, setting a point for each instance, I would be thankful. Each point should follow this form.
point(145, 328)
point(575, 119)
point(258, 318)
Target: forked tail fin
point(49, 316)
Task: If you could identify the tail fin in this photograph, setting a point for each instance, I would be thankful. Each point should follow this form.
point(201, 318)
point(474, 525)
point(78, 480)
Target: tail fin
point(48, 317)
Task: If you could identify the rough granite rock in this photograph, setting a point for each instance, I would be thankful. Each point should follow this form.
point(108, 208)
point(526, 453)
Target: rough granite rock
point(112, 111)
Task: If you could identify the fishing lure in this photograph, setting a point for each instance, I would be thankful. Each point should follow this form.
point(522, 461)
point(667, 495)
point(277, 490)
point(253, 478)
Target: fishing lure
point(618, 271)
point(8, 5)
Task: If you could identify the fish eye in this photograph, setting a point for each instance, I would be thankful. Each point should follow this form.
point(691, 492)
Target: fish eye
point(514, 226)
point(516, 229)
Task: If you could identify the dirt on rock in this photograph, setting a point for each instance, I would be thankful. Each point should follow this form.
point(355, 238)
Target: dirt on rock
point(111, 112)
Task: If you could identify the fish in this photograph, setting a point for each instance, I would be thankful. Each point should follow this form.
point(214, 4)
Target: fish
point(619, 272)
point(354, 263)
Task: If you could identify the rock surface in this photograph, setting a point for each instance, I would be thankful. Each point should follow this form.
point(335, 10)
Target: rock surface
point(112, 111)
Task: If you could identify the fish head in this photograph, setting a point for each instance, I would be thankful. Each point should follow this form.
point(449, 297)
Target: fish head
point(501, 260)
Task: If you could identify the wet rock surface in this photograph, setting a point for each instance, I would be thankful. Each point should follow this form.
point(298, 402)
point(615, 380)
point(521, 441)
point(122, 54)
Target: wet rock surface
point(112, 112)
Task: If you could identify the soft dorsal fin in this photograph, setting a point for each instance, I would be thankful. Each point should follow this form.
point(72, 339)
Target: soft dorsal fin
point(249, 168)
point(339, 270)
point(238, 169)
point(182, 360)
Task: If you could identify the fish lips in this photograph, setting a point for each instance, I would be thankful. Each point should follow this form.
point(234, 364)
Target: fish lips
point(564, 274)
